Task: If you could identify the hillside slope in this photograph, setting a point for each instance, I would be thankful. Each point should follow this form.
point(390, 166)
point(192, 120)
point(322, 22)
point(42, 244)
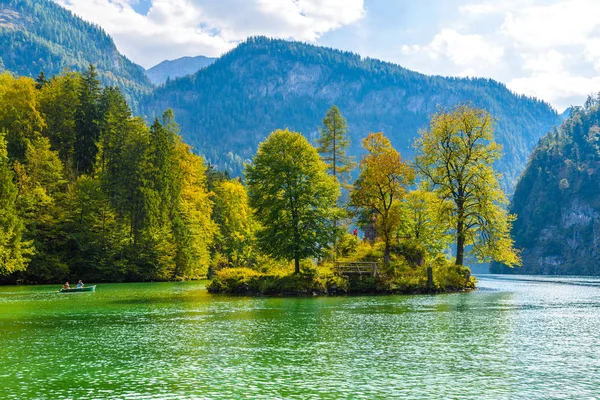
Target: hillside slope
point(226, 109)
point(557, 200)
point(39, 35)
point(171, 69)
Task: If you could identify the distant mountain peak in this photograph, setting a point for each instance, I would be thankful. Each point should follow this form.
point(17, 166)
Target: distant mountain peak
point(171, 69)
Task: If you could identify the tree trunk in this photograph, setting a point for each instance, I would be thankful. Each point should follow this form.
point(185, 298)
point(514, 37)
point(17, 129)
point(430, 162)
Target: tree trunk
point(296, 264)
point(386, 254)
point(460, 242)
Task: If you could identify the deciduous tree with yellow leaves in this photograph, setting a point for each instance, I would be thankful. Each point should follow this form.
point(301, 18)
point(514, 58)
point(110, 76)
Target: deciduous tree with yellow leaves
point(381, 186)
point(455, 158)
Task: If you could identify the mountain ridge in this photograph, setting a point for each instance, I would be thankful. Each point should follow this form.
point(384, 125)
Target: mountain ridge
point(264, 84)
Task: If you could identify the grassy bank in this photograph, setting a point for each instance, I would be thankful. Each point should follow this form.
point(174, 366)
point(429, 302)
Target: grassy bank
point(324, 280)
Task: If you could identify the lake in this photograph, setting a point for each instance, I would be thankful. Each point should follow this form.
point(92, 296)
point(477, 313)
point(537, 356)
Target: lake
point(516, 337)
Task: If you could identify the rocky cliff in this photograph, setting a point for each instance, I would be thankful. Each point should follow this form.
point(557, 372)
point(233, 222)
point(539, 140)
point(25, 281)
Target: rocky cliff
point(557, 200)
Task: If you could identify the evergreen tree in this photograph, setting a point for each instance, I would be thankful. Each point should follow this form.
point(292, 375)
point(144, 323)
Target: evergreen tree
point(40, 81)
point(334, 142)
point(59, 102)
point(87, 122)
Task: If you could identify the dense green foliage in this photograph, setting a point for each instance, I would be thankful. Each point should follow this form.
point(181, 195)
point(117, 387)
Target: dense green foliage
point(557, 200)
point(226, 109)
point(39, 35)
point(293, 197)
point(90, 192)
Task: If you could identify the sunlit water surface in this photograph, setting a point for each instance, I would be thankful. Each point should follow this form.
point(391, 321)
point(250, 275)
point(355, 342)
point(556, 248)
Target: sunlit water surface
point(526, 337)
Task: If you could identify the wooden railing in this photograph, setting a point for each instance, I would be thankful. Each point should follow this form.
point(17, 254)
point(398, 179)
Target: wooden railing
point(348, 268)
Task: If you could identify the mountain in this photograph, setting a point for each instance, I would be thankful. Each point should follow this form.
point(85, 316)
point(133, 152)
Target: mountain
point(39, 35)
point(226, 109)
point(557, 200)
point(177, 68)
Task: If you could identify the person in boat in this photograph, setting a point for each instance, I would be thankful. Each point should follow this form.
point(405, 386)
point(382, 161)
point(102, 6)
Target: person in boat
point(66, 285)
point(79, 284)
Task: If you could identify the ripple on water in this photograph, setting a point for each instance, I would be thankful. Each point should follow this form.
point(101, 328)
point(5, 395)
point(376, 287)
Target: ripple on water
point(526, 338)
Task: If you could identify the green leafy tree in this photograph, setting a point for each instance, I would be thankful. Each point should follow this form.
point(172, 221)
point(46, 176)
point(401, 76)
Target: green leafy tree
point(20, 115)
point(14, 252)
point(237, 224)
point(380, 188)
point(426, 221)
point(193, 227)
point(455, 158)
point(293, 197)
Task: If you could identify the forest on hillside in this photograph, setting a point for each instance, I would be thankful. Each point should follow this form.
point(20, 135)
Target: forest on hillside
point(228, 108)
point(40, 35)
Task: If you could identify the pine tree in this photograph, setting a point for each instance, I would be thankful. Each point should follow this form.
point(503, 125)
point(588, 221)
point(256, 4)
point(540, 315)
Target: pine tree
point(87, 127)
point(333, 142)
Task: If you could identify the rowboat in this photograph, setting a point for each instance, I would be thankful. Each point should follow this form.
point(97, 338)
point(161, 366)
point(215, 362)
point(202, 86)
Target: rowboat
point(81, 289)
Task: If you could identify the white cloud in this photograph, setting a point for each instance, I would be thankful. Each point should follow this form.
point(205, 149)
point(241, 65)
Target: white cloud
point(464, 50)
point(174, 28)
point(550, 50)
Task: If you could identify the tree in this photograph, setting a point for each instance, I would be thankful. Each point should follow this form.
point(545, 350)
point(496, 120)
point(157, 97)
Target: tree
point(380, 188)
point(237, 225)
point(193, 228)
point(20, 116)
point(293, 197)
point(87, 117)
point(59, 102)
point(426, 221)
point(40, 203)
point(455, 158)
point(333, 143)
point(14, 252)
point(41, 81)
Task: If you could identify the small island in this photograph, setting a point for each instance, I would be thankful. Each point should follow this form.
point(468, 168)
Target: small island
point(411, 212)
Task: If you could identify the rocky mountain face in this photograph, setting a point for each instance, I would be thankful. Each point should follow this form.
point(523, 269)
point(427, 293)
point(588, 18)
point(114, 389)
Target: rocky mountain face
point(557, 200)
point(228, 108)
point(39, 35)
point(171, 69)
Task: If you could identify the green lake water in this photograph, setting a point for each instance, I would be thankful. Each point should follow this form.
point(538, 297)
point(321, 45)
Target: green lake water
point(514, 338)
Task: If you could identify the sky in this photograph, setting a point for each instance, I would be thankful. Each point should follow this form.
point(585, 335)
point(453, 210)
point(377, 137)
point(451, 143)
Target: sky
point(549, 49)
